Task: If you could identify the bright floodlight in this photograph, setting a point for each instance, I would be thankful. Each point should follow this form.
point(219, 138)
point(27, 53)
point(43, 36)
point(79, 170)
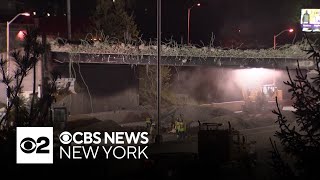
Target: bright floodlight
point(198, 4)
point(290, 30)
point(252, 77)
point(25, 14)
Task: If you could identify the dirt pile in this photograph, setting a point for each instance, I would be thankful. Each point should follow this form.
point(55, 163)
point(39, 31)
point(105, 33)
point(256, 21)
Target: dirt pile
point(103, 126)
point(91, 124)
point(80, 121)
point(135, 117)
point(193, 114)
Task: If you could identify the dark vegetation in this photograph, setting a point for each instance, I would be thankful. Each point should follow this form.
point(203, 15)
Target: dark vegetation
point(20, 111)
point(301, 139)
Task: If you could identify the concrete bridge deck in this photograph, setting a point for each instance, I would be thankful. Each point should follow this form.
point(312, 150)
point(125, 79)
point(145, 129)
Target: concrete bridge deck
point(232, 62)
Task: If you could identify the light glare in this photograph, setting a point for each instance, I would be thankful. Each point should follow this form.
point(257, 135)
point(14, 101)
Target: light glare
point(21, 35)
point(254, 77)
point(26, 14)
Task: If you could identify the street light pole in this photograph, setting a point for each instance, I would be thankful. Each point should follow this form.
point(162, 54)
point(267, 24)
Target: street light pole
point(189, 12)
point(275, 37)
point(8, 47)
point(69, 18)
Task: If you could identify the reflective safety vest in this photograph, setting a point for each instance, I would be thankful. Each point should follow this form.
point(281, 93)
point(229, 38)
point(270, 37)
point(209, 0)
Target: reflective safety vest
point(177, 126)
point(182, 127)
point(148, 120)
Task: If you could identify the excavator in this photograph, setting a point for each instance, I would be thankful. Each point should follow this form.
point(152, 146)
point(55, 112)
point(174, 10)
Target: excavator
point(260, 97)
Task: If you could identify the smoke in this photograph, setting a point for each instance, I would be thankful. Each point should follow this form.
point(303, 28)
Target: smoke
point(217, 84)
point(207, 85)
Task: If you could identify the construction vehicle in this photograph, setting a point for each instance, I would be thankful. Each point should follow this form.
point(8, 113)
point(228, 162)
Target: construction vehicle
point(260, 98)
point(223, 145)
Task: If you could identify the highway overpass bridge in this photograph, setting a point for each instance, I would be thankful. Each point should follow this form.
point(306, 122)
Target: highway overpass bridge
point(231, 62)
point(113, 79)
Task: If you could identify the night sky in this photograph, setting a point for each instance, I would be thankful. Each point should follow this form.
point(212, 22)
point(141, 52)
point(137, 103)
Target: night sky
point(232, 22)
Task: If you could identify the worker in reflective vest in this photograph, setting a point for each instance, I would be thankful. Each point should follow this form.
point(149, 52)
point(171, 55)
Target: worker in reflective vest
point(182, 129)
point(148, 122)
point(152, 132)
point(177, 125)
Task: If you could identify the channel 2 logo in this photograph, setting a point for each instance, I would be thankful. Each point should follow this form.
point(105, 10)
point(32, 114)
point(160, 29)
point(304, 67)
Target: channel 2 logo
point(34, 145)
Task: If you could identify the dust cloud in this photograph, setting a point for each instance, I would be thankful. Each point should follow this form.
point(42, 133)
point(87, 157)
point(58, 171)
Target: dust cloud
point(214, 85)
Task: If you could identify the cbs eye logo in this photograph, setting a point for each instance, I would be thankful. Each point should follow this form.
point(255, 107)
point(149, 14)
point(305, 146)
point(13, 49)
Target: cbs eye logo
point(29, 145)
point(34, 145)
point(65, 138)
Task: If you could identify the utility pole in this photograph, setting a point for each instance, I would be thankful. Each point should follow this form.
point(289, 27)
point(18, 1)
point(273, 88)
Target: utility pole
point(8, 62)
point(69, 18)
point(189, 11)
point(158, 137)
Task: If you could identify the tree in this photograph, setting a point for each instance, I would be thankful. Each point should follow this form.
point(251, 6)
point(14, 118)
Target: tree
point(20, 111)
point(301, 139)
point(113, 19)
point(148, 86)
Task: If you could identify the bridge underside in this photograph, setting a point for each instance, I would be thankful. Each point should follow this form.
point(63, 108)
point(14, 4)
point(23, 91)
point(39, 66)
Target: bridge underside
point(232, 62)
